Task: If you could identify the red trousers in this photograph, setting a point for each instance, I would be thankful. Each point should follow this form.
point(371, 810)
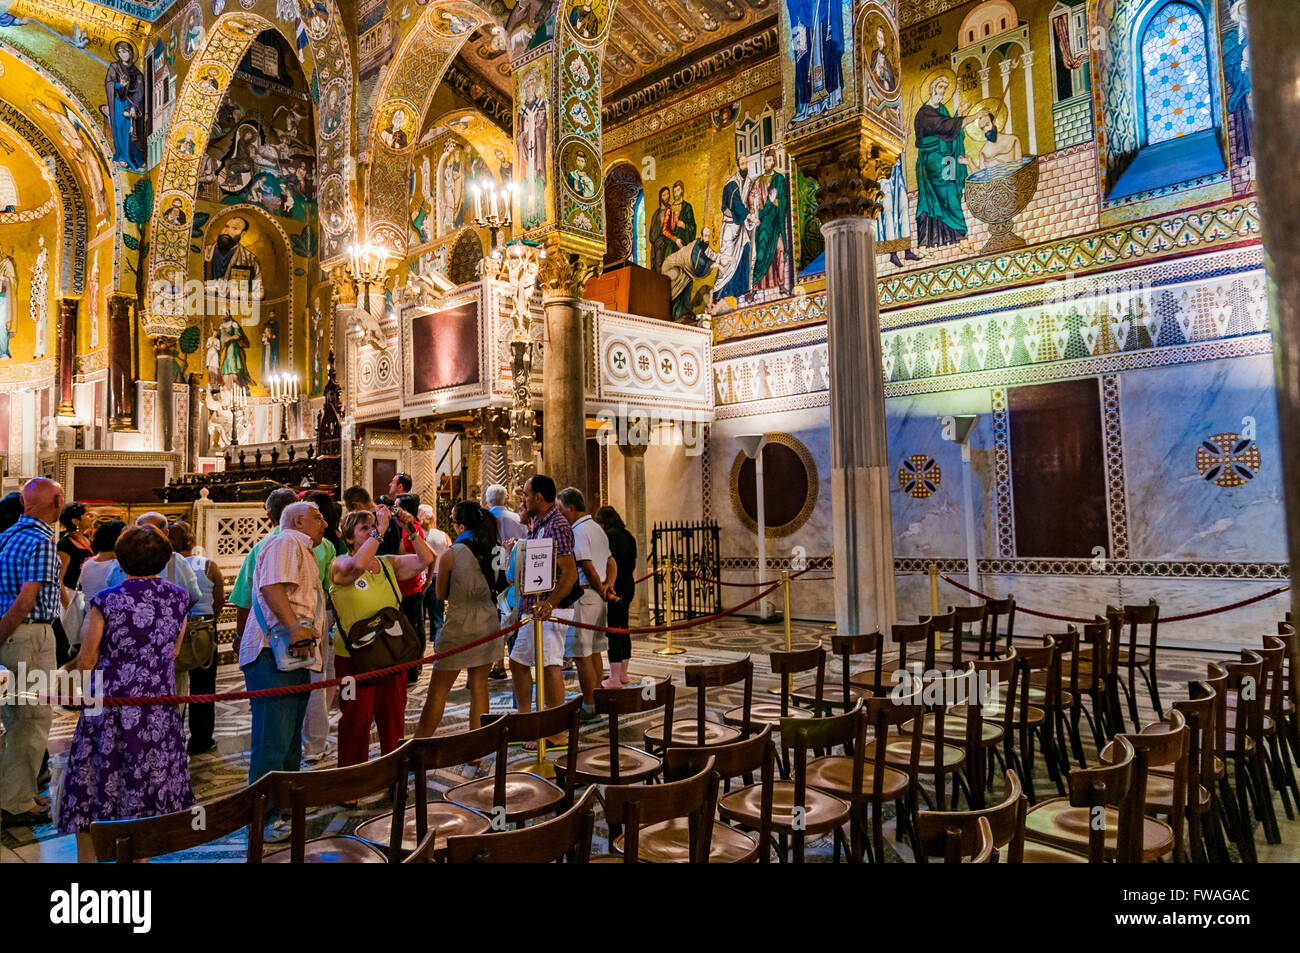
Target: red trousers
point(382, 703)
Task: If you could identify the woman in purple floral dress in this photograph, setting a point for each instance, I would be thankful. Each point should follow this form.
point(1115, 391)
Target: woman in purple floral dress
point(129, 761)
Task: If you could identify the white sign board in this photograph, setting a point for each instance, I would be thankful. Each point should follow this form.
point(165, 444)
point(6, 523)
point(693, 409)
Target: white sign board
point(539, 566)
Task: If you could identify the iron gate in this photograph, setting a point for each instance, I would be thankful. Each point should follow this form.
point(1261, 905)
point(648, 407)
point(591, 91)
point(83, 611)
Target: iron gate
point(693, 549)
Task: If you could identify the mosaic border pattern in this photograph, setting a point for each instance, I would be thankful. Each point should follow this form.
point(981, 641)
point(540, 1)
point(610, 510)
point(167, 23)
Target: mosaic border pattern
point(1142, 568)
point(1116, 484)
point(1002, 473)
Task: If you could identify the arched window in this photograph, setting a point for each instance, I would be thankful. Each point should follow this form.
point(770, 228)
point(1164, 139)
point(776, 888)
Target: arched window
point(8, 190)
point(1175, 73)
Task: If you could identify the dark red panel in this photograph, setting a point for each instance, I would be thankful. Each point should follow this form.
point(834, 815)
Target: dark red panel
point(444, 348)
point(119, 484)
point(1058, 470)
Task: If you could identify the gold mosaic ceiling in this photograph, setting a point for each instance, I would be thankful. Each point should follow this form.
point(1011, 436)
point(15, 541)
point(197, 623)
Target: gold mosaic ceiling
point(647, 36)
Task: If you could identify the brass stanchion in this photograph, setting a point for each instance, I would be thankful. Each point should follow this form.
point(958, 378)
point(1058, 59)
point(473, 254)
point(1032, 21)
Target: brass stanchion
point(668, 648)
point(542, 768)
point(785, 591)
point(933, 569)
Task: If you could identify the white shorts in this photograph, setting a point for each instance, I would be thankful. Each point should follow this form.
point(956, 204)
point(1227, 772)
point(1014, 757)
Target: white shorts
point(553, 632)
point(579, 643)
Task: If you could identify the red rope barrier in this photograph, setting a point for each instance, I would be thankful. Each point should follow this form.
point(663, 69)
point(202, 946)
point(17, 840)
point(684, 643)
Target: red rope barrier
point(1173, 618)
point(750, 585)
point(690, 624)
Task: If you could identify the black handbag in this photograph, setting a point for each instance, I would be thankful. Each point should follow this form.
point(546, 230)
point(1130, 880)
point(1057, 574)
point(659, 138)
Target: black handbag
point(385, 638)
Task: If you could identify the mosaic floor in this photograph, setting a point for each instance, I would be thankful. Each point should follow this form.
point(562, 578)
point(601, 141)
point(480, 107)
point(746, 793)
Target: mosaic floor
point(226, 768)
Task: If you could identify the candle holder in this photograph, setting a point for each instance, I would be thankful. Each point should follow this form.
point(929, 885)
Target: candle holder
point(492, 205)
point(284, 389)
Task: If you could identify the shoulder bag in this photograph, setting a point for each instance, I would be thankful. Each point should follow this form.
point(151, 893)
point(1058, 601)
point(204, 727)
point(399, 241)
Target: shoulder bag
point(385, 638)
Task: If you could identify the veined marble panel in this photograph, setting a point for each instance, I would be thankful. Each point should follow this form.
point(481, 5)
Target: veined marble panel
point(1174, 513)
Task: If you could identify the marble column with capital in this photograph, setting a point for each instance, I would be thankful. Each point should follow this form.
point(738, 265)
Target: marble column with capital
point(121, 366)
point(164, 349)
point(563, 278)
point(67, 353)
point(847, 201)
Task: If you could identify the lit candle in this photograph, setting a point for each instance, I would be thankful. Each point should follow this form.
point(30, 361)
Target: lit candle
point(478, 202)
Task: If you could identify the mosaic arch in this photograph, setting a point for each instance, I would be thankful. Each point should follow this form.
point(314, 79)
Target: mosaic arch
point(87, 126)
point(205, 87)
point(400, 106)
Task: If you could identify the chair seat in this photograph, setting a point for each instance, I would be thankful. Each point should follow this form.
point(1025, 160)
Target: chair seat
point(870, 677)
point(1230, 722)
point(763, 713)
point(834, 774)
point(1160, 793)
point(954, 729)
point(1045, 854)
point(686, 734)
point(335, 849)
point(592, 764)
point(445, 820)
point(995, 711)
point(1058, 824)
point(822, 811)
point(527, 795)
point(832, 695)
point(669, 842)
point(898, 753)
point(1230, 742)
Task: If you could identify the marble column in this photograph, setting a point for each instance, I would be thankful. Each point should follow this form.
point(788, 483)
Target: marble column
point(67, 353)
point(121, 370)
point(523, 422)
point(634, 515)
point(860, 480)
point(164, 349)
point(1275, 79)
point(563, 278)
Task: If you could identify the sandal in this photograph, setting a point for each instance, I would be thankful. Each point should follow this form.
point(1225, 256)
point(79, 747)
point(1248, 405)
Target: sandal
point(550, 745)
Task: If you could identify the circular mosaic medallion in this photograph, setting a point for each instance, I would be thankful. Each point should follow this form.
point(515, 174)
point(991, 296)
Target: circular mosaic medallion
point(334, 103)
point(919, 476)
point(789, 486)
point(1227, 459)
point(579, 69)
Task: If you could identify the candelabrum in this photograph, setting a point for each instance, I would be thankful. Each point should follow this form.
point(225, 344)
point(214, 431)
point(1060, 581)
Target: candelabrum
point(492, 205)
point(238, 407)
point(284, 391)
point(520, 262)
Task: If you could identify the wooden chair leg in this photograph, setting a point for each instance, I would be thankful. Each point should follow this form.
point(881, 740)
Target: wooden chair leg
point(1153, 689)
point(1264, 796)
point(1131, 690)
point(878, 828)
point(1283, 777)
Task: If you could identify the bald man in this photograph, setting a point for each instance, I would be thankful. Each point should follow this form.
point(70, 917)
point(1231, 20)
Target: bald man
point(30, 601)
point(178, 570)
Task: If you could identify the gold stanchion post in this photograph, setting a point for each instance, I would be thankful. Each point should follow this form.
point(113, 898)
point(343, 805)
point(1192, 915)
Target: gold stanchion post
point(785, 591)
point(542, 768)
point(933, 569)
point(668, 648)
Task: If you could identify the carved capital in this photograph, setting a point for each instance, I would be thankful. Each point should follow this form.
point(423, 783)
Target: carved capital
point(848, 180)
point(563, 274)
point(423, 434)
point(164, 345)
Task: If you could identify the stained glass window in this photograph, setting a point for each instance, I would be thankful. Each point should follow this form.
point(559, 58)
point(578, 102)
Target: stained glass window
point(1175, 73)
point(638, 230)
point(8, 191)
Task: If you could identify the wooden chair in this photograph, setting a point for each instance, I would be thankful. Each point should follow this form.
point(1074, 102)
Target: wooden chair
point(844, 695)
point(667, 823)
point(1166, 744)
point(567, 837)
point(1040, 687)
point(1005, 821)
point(1238, 827)
point(943, 631)
point(864, 779)
point(995, 609)
point(750, 807)
point(1065, 828)
point(958, 847)
point(1092, 674)
point(877, 679)
point(941, 754)
point(610, 762)
point(1204, 816)
point(1244, 724)
point(444, 818)
point(126, 841)
point(699, 731)
point(1290, 688)
point(1277, 752)
point(299, 790)
point(805, 812)
point(1132, 658)
point(966, 619)
point(785, 665)
point(520, 795)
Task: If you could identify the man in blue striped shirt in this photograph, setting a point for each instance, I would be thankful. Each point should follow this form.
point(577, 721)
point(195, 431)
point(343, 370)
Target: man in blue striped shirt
point(30, 600)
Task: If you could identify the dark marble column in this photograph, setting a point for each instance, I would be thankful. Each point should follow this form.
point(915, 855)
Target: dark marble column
point(121, 369)
point(67, 353)
point(1275, 79)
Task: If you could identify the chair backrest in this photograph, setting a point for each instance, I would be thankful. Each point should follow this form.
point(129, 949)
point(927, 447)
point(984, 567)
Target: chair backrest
point(1043, 658)
point(1246, 678)
point(1006, 822)
point(1135, 616)
point(901, 708)
point(447, 751)
point(1273, 652)
point(1004, 672)
point(1198, 708)
point(822, 734)
point(633, 806)
point(630, 700)
point(944, 622)
point(1112, 784)
point(1290, 686)
point(1216, 678)
point(904, 634)
point(299, 790)
point(1167, 745)
point(141, 838)
point(848, 647)
point(565, 837)
point(731, 760)
point(994, 610)
point(702, 677)
point(967, 618)
point(788, 664)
